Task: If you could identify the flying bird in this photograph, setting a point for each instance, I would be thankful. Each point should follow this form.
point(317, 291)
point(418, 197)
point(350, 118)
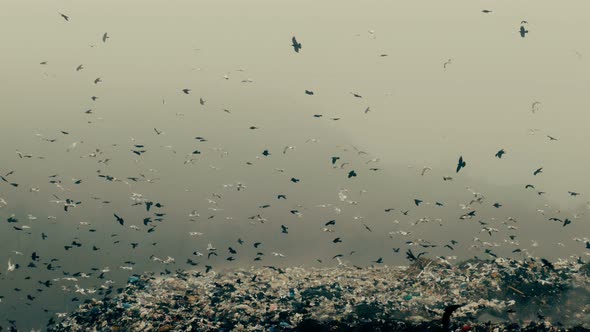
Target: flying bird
point(65, 17)
point(538, 170)
point(309, 92)
point(448, 62)
point(105, 36)
point(119, 219)
point(551, 138)
point(296, 45)
point(284, 229)
point(500, 153)
point(460, 164)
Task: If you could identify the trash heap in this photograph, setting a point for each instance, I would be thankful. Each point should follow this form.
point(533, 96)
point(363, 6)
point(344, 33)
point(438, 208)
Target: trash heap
point(506, 295)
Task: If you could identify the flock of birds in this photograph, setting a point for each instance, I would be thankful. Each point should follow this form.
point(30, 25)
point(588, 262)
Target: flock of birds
point(156, 212)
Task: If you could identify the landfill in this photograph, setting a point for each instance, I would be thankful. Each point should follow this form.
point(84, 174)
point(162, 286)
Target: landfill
point(496, 295)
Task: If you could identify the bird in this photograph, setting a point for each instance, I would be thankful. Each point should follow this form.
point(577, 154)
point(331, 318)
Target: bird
point(500, 153)
point(105, 36)
point(337, 240)
point(417, 202)
point(523, 31)
point(309, 92)
point(265, 153)
point(551, 138)
point(284, 229)
point(201, 101)
point(157, 131)
point(186, 91)
point(351, 174)
point(65, 17)
point(11, 266)
point(119, 219)
point(448, 62)
point(486, 11)
point(80, 67)
point(334, 160)
point(573, 193)
point(460, 164)
point(296, 45)
point(538, 170)
point(379, 260)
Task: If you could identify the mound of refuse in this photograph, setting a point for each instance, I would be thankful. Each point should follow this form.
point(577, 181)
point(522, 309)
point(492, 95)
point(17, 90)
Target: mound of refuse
point(507, 295)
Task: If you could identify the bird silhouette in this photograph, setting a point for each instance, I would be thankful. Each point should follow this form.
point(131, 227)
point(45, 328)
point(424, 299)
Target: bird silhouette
point(460, 164)
point(296, 45)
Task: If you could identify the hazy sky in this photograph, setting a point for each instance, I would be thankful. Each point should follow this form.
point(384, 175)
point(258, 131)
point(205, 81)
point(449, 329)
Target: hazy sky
point(421, 114)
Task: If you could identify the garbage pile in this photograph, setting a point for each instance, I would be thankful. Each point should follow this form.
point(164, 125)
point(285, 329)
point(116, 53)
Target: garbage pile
point(499, 295)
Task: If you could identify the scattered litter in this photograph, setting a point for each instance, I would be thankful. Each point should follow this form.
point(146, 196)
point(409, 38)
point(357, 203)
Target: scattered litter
point(499, 295)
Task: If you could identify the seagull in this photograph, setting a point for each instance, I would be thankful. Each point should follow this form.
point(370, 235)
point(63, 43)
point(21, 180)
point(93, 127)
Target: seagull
point(296, 45)
point(538, 170)
point(500, 153)
point(105, 36)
